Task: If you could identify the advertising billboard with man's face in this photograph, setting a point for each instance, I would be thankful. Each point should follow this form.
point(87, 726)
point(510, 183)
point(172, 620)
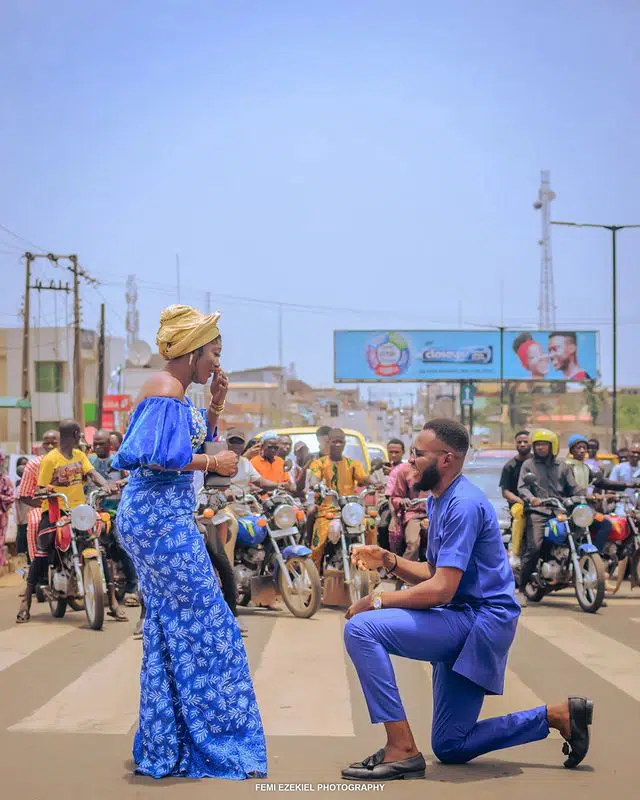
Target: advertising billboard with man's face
point(417, 356)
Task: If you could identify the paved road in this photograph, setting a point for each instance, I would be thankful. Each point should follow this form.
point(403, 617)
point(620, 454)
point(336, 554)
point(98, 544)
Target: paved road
point(68, 701)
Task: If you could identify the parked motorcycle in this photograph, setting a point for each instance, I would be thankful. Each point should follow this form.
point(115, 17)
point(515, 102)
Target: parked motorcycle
point(568, 557)
point(622, 549)
point(269, 561)
point(344, 585)
point(76, 574)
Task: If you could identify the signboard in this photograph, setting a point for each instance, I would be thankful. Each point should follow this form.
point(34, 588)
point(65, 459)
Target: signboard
point(417, 356)
point(117, 402)
point(467, 394)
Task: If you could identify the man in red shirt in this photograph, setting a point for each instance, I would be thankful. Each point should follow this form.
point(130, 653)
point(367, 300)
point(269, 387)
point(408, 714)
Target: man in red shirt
point(407, 523)
point(28, 486)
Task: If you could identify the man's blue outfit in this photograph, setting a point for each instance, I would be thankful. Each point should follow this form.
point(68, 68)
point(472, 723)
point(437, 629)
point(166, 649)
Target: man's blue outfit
point(467, 641)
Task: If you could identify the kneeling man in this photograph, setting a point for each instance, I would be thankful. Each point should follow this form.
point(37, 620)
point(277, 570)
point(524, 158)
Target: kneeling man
point(460, 614)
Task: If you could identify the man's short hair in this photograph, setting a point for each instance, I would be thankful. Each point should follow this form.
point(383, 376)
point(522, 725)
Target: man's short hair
point(399, 442)
point(323, 430)
point(336, 432)
point(69, 428)
point(451, 433)
point(567, 334)
point(594, 441)
point(521, 433)
point(119, 436)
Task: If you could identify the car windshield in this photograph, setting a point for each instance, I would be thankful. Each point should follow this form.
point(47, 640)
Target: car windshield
point(353, 448)
point(375, 453)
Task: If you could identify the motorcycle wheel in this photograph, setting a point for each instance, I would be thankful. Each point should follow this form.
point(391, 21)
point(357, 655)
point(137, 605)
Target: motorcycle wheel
point(360, 585)
point(93, 595)
point(635, 569)
point(303, 599)
point(590, 594)
point(76, 605)
point(58, 608)
point(533, 592)
point(40, 593)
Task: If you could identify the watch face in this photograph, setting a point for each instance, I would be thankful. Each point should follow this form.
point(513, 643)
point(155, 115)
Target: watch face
point(377, 602)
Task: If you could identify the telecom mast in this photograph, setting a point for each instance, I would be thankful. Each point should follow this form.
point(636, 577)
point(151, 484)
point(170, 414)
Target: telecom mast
point(546, 301)
point(133, 317)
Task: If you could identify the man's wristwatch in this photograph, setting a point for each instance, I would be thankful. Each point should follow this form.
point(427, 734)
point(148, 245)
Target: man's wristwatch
point(377, 601)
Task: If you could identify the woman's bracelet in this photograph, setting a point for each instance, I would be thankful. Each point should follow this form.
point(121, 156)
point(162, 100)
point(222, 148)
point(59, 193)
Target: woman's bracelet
point(395, 566)
point(217, 408)
point(208, 464)
point(215, 464)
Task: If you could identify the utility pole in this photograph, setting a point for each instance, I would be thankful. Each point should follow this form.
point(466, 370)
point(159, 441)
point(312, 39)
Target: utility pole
point(26, 334)
point(26, 364)
point(101, 343)
point(78, 410)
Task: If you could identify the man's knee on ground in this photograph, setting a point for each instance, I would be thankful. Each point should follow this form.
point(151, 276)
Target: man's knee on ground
point(449, 750)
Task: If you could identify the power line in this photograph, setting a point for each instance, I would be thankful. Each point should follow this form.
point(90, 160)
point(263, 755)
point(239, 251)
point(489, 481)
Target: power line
point(20, 238)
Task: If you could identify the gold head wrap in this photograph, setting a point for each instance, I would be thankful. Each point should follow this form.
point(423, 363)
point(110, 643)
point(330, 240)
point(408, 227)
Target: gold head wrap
point(183, 329)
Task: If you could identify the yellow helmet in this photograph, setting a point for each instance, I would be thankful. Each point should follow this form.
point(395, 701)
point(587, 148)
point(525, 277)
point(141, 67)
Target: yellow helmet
point(545, 435)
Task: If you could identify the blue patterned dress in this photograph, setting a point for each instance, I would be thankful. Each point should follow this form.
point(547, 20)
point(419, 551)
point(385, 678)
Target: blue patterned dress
point(198, 711)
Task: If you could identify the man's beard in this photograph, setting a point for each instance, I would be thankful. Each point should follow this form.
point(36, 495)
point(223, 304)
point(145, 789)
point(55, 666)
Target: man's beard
point(429, 479)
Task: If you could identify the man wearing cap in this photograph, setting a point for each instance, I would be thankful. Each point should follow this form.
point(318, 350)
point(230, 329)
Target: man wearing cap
point(270, 465)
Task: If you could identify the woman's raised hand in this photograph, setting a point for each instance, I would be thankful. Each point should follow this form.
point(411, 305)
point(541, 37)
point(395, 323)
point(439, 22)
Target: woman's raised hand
point(226, 463)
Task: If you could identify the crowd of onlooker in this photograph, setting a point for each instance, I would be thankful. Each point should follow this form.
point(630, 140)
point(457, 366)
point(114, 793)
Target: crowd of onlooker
point(19, 494)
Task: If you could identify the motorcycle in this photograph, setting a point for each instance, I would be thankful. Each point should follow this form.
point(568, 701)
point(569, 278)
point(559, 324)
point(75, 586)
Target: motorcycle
point(105, 531)
point(212, 502)
point(76, 574)
point(568, 557)
point(622, 548)
point(269, 561)
point(344, 585)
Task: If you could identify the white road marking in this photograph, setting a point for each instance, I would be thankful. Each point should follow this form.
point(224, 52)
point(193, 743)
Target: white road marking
point(302, 660)
point(612, 661)
point(22, 640)
point(104, 699)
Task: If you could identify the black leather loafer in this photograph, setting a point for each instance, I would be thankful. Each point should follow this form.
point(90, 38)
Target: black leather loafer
point(580, 717)
point(374, 768)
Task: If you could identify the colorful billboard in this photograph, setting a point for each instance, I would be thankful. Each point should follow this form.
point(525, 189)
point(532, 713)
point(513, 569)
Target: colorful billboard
point(417, 356)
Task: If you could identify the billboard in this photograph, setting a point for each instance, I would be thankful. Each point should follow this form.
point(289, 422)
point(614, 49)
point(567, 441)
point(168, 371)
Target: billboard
point(416, 356)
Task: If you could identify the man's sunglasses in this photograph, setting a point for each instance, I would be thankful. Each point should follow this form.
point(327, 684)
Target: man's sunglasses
point(424, 453)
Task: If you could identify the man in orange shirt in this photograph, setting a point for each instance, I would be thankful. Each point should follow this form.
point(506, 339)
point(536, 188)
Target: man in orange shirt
point(270, 465)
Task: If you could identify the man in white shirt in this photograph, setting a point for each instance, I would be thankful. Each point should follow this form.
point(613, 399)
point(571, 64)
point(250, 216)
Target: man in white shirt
point(628, 471)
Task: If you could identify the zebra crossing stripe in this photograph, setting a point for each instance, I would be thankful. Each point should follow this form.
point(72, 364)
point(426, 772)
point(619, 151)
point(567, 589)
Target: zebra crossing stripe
point(292, 676)
point(22, 640)
point(611, 660)
point(104, 699)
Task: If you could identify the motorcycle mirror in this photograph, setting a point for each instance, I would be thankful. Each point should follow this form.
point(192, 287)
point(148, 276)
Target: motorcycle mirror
point(377, 464)
point(529, 479)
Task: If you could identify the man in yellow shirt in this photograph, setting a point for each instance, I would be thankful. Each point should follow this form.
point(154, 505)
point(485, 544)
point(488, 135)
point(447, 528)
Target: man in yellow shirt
point(65, 469)
point(342, 475)
point(270, 465)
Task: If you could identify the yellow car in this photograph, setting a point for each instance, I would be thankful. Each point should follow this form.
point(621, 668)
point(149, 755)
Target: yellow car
point(377, 452)
point(356, 446)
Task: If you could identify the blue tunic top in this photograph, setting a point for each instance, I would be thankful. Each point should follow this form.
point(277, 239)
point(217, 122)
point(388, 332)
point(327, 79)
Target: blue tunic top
point(464, 533)
point(163, 432)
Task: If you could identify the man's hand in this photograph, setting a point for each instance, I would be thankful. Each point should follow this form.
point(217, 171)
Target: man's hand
point(535, 501)
point(226, 463)
point(219, 387)
point(112, 487)
point(366, 604)
point(368, 556)
point(252, 452)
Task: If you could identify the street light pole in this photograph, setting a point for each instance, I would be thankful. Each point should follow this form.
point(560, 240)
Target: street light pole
point(614, 309)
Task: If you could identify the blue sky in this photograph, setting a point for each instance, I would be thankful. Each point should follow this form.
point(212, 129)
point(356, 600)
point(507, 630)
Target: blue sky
point(379, 157)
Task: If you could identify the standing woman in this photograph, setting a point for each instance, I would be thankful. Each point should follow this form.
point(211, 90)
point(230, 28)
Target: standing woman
point(198, 711)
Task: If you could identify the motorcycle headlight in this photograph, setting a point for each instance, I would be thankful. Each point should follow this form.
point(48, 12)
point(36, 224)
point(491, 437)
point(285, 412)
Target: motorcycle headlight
point(83, 517)
point(582, 516)
point(352, 514)
point(284, 516)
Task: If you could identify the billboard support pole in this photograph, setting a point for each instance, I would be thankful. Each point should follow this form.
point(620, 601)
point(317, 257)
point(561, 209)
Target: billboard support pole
point(501, 329)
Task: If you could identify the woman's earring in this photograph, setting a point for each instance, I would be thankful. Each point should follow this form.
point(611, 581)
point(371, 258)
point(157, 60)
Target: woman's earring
point(191, 360)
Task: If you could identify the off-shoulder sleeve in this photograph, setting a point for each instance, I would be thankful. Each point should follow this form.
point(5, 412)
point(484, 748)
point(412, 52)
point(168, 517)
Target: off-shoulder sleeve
point(158, 435)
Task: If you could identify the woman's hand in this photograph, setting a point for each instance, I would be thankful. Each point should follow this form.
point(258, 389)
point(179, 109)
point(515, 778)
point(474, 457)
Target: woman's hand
point(226, 463)
point(219, 388)
point(365, 604)
point(368, 556)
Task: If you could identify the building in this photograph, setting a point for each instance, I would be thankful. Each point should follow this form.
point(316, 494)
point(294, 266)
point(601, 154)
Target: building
point(51, 377)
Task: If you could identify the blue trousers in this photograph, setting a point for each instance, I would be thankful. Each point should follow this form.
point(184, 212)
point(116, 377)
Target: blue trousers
point(435, 635)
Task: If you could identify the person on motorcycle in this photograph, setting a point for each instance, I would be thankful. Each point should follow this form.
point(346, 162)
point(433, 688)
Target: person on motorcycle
point(339, 474)
point(553, 478)
point(629, 470)
point(509, 485)
point(101, 459)
point(585, 477)
point(64, 468)
point(270, 465)
point(406, 529)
